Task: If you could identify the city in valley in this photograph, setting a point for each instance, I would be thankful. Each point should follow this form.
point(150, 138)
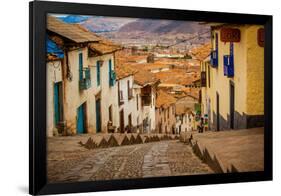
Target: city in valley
point(136, 98)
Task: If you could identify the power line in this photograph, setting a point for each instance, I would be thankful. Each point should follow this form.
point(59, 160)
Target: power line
point(185, 40)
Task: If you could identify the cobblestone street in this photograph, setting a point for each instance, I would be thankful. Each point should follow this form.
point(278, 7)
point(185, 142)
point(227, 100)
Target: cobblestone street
point(165, 158)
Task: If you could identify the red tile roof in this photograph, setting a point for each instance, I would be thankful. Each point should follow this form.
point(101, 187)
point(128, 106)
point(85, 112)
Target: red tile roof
point(73, 32)
point(201, 52)
point(143, 77)
point(164, 99)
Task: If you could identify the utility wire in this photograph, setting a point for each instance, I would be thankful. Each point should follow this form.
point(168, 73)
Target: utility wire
point(185, 40)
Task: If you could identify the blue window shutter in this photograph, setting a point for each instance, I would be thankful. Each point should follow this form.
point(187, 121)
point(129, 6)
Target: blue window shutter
point(228, 62)
point(214, 53)
point(225, 64)
point(217, 49)
point(109, 73)
point(56, 103)
point(98, 73)
point(80, 66)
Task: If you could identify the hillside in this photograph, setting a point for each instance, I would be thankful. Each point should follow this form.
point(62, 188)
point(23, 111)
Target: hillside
point(97, 24)
point(163, 27)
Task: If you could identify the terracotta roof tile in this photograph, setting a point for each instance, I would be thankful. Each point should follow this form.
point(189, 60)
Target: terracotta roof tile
point(192, 92)
point(201, 52)
point(123, 71)
point(164, 99)
point(143, 78)
point(104, 46)
point(174, 76)
point(73, 32)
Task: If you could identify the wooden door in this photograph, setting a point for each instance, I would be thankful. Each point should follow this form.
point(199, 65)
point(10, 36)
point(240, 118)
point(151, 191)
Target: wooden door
point(218, 112)
point(58, 106)
point(122, 121)
point(80, 120)
point(231, 101)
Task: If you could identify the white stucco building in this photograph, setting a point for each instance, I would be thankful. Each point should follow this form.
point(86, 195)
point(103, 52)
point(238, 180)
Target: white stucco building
point(129, 112)
point(81, 87)
point(145, 83)
point(185, 120)
point(185, 114)
point(165, 112)
point(54, 78)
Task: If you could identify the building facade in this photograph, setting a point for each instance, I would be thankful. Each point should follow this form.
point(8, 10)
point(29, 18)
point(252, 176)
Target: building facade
point(232, 78)
point(165, 113)
point(185, 121)
point(129, 105)
point(146, 83)
point(185, 114)
point(80, 84)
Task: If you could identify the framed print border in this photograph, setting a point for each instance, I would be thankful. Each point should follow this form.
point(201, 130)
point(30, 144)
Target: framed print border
point(37, 97)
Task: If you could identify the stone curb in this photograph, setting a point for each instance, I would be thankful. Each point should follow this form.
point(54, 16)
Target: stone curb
point(207, 155)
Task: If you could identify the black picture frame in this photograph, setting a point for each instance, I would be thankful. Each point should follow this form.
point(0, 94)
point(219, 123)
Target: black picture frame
point(37, 97)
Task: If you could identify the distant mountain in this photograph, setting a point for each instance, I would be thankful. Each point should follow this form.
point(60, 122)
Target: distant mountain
point(97, 24)
point(140, 31)
point(100, 24)
point(162, 26)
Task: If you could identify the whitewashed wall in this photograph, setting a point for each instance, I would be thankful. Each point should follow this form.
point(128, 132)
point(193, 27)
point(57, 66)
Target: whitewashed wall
point(54, 74)
point(187, 122)
point(108, 94)
point(129, 106)
point(74, 97)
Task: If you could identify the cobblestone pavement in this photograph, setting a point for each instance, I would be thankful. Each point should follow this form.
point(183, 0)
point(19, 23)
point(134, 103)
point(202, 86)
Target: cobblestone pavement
point(165, 158)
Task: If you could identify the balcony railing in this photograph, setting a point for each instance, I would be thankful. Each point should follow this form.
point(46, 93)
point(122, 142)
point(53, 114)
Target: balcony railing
point(214, 58)
point(228, 65)
point(85, 82)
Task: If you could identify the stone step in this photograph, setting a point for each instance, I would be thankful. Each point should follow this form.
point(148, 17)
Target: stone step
point(105, 140)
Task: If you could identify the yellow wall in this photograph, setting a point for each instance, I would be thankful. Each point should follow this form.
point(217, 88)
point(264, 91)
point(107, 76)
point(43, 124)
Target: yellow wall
point(255, 73)
point(248, 76)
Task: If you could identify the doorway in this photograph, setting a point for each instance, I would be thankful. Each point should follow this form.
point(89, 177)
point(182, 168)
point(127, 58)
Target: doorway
point(122, 121)
point(98, 115)
point(218, 112)
point(81, 119)
point(130, 122)
point(58, 106)
point(231, 101)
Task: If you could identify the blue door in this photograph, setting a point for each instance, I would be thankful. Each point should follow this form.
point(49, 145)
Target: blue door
point(98, 116)
point(80, 120)
point(57, 102)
